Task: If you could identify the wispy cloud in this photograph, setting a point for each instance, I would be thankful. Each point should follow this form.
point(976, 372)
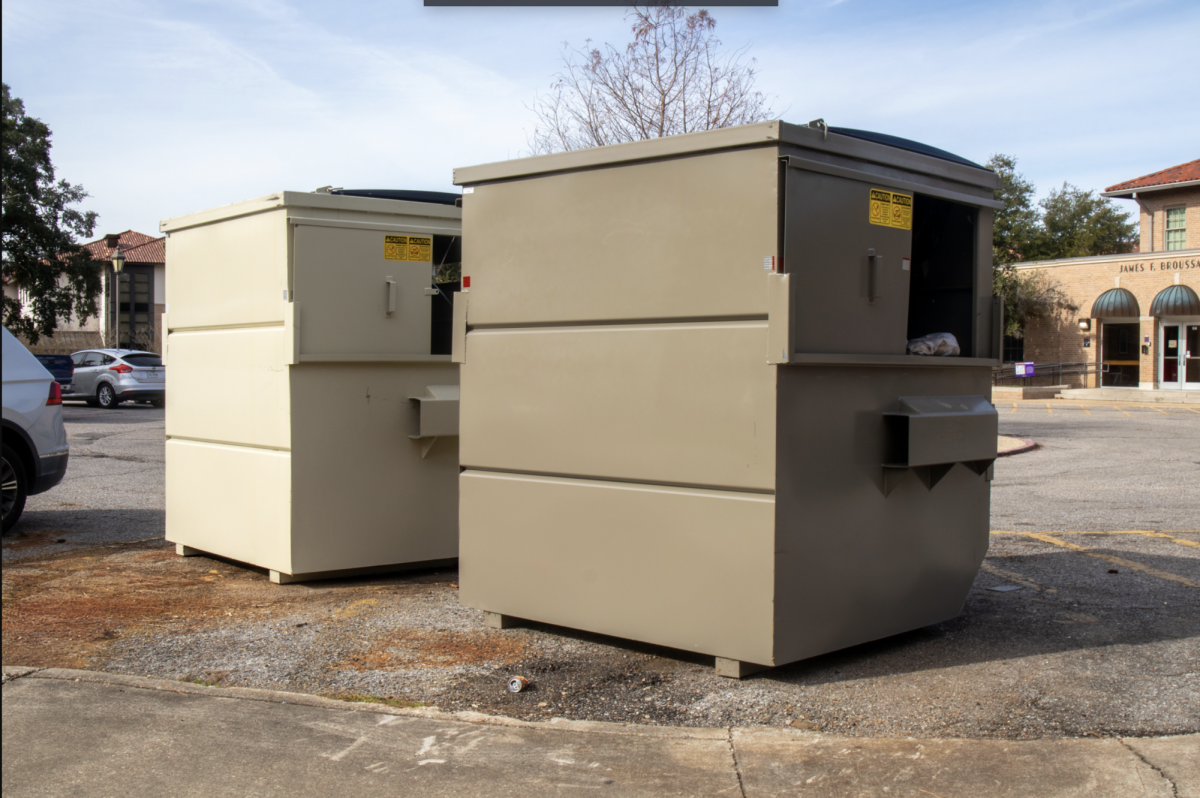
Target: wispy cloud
point(164, 108)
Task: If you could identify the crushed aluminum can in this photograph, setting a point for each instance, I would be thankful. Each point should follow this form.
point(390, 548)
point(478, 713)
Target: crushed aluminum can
point(517, 683)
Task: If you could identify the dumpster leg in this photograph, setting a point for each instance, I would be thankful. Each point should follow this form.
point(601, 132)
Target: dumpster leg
point(284, 579)
point(494, 620)
point(736, 669)
point(187, 551)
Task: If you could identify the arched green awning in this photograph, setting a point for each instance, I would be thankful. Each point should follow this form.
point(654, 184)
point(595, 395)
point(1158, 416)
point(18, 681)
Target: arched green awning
point(1115, 302)
point(1176, 300)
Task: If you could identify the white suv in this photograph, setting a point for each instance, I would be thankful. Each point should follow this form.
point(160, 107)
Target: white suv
point(35, 442)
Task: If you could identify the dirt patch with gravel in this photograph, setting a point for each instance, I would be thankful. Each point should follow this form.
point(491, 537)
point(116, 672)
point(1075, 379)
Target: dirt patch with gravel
point(1062, 652)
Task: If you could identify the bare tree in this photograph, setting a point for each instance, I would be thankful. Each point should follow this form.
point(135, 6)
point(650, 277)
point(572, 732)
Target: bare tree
point(672, 78)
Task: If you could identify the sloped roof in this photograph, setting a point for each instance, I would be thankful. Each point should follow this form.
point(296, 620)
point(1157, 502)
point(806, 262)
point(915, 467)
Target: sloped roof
point(137, 248)
point(1184, 173)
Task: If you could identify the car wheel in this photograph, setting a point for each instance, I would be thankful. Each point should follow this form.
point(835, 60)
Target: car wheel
point(106, 397)
point(15, 488)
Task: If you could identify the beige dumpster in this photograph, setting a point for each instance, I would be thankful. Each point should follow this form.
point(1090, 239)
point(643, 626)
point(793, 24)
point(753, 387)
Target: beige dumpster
point(688, 412)
point(312, 405)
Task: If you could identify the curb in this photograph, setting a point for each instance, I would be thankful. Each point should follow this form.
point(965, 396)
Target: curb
point(1029, 445)
point(12, 673)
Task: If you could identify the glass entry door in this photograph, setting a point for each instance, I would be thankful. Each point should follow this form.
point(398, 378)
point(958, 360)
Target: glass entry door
point(1119, 352)
point(1180, 366)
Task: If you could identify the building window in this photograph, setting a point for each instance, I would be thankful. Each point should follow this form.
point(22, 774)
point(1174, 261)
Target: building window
point(1176, 228)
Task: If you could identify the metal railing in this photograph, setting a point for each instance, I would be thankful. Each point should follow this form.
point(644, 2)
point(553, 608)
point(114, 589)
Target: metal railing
point(1046, 373)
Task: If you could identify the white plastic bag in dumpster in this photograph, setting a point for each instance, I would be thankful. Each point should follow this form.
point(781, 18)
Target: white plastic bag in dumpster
point(943, 344)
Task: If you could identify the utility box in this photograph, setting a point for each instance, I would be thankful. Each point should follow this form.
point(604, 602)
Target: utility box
point(304, 334)
point(687, 412)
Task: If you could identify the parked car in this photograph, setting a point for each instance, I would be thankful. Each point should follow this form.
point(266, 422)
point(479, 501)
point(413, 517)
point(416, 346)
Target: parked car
point(107, 377)
point(61, 367)
point(35, 442)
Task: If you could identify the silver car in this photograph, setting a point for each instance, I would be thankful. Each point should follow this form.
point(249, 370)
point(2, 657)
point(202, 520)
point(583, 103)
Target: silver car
point(107, 377)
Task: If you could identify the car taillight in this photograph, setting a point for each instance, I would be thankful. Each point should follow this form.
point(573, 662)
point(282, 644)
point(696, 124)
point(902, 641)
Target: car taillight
point(55, 397)
point(121, 369)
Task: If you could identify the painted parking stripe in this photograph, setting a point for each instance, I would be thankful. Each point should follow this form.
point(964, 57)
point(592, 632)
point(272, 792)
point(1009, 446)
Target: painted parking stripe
point(1016, 578)
point(1130, 564)
point(1147, 533)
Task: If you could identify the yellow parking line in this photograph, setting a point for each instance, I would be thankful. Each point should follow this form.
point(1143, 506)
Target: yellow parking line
point(1014, 408)
point(1192, 409)
point(1119, 410)
point(1130, 564)
point(1145, 532)
point(1157, 410)
point(1017, 578)
point(1049, 409)
point(1086, 412)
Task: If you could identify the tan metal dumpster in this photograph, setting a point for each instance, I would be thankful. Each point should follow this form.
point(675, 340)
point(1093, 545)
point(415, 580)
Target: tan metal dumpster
point(688, 416)
point(312, 405)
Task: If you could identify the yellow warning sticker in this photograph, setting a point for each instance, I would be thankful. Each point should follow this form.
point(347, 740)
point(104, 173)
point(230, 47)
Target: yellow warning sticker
point(902, 211)
point(395, 247)
point(409, 248)
point(890, 209)
point(881, 207)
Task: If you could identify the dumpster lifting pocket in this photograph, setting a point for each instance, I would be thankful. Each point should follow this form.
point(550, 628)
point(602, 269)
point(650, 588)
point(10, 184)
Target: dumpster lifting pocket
point(929, 434)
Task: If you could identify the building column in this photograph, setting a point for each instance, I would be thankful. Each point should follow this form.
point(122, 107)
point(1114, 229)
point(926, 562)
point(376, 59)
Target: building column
point(1148, 363)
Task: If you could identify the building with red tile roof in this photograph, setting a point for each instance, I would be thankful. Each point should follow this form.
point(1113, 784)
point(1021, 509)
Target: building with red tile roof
point(1137, 321)
point(1169, 201)
point(142, 298)
point(1185, 173)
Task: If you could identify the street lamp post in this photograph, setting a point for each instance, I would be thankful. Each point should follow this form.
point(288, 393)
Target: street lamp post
point(118, 261)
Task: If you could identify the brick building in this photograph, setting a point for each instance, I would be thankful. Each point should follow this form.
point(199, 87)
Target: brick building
point(1137, 313)
point(139, 298)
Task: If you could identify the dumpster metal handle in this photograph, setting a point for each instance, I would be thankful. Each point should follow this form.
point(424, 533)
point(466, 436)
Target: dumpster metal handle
point(872, 276)
point(390, 284)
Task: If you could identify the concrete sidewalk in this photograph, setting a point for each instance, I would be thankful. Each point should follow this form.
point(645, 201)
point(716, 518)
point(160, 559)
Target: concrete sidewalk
point(87, 733)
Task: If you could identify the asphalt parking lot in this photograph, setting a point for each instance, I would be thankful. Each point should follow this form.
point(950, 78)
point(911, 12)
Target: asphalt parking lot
point(1095, 629)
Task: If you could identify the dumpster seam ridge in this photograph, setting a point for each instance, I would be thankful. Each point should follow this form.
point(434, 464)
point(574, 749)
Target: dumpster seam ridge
point(621, 481)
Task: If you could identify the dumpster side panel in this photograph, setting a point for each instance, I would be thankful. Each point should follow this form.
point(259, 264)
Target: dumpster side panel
point(229, 273)
point(253, 362)
point(675, 239)
point(363, 495)
point(231, 500)
point(685, 568)
point(682, 404)
point(854, 565)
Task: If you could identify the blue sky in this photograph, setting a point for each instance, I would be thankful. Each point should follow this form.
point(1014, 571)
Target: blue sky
point(164, 108)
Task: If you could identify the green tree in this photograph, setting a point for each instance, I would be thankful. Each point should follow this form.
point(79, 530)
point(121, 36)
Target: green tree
point(1069, 223)
point(1077, 223)
point(1014, 226)
point(39, 229)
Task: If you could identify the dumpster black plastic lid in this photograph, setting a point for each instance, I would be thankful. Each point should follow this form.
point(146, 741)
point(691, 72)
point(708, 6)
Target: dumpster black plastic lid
point(903, 144)
point(435, 197)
